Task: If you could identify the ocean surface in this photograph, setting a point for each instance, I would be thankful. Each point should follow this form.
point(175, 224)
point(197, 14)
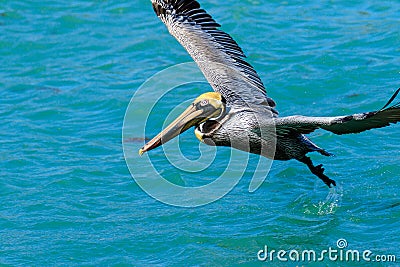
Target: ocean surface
point(68, 71)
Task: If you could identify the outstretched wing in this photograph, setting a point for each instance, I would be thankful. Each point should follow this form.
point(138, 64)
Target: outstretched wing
point(342, 124)
point(218, 56)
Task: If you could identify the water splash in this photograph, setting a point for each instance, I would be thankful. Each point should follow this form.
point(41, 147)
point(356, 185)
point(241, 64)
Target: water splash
point(327, 206)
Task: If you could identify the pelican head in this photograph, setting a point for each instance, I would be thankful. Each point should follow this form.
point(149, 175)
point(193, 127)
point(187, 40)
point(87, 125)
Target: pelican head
point(205, 107)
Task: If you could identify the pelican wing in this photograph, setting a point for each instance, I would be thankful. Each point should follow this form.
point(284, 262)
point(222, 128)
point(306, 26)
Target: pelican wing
point(218, 56)
point(355, 123)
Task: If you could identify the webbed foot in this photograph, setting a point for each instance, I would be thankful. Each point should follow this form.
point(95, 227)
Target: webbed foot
point(318, 171)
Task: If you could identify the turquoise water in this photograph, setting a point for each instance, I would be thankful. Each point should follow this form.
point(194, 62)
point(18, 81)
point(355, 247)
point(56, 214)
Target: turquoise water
point(68, 72)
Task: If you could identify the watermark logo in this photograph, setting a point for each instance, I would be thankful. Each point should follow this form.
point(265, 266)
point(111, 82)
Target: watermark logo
point(340, 253)
point(341, 243)
point(143, 116)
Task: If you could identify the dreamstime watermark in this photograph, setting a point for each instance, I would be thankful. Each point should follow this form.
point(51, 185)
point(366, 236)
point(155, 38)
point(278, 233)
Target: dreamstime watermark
point(139, 123)
point(339, 253)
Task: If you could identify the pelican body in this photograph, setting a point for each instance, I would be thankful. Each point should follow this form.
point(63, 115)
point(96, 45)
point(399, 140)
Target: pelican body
point(239, 113)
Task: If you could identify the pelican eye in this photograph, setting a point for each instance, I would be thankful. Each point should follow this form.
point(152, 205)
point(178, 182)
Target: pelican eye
point(204, 102)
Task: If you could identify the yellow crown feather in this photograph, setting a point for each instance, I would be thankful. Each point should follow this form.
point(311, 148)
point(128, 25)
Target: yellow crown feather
point(210, 95)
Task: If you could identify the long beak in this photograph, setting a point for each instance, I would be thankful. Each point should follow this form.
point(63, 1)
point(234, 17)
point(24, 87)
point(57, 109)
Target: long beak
point(190, 117)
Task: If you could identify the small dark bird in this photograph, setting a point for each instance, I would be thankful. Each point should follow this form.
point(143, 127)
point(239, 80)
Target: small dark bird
point(239, 113)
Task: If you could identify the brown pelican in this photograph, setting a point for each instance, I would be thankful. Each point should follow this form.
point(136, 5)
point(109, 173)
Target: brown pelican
point(239, 113)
